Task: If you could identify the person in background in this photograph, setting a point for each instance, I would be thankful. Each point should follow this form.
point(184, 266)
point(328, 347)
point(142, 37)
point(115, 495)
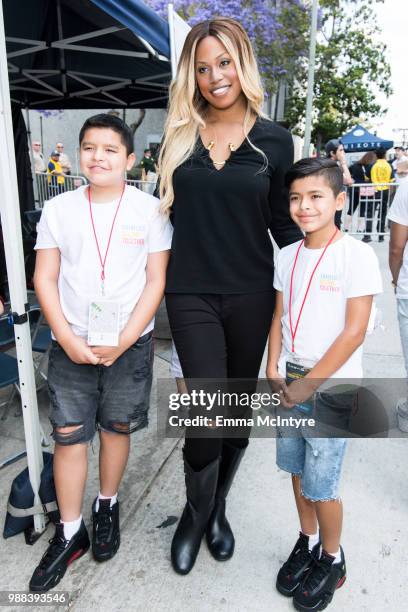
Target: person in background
point(335, 151)
point(381, 174)
point(64, 159)
point(398, 262)
point(400, 155)
point(401, 172)
point(38, 157)
point(56, 180)
point(149, 171)
point(359, 172)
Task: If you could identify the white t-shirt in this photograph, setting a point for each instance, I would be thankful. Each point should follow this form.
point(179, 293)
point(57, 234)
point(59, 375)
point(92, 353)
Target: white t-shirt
point(139, 230)
point(397, 161)
point(348, 269)
point(399, 213)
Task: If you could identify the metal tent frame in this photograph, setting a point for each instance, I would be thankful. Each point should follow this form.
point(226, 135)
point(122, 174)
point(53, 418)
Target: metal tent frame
point(44, 86)
point(70, 58)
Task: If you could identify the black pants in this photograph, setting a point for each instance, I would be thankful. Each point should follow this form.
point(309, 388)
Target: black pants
point(354, 200)
point(337, 218)
point(382, 213)
point(219, 337)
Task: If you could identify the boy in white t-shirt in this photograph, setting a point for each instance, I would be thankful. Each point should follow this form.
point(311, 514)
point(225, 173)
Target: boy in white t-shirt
point(324, 292)
point(102, 253)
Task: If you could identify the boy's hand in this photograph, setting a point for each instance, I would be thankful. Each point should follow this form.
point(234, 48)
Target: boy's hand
point(276, 382)
point(79, 352)
point(107, 355)
point(297, 392)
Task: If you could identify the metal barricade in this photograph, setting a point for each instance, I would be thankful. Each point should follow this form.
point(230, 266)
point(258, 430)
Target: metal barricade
point(366, 208)
point(146, 186)
point(48, 189)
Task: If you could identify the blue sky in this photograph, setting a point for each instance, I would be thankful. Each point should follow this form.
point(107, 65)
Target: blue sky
point(392, 19)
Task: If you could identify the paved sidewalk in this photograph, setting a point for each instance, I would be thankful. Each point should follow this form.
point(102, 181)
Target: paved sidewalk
point(260, 508)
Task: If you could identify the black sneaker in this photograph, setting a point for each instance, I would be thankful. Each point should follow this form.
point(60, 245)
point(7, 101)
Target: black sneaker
point(293, 570)
point(105, 532)
point(318, 586)
point(366, 238)
point(59, 554)
point(381, 238)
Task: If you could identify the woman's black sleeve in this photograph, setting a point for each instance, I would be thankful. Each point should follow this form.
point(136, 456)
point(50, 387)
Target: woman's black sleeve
point(283, 229)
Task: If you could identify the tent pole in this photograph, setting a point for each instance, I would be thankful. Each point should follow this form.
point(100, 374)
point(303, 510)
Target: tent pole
point(13, 246)
point(310, 80)
point(41, 135)
point(30, 149)
point(173, 58)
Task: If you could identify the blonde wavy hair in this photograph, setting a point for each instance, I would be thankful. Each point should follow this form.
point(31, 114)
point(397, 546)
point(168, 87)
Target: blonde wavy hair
point(186, 110)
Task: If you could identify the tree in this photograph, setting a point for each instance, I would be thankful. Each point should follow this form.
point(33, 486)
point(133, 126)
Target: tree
point(351, 70)
point(135, 124)
point(276, 29)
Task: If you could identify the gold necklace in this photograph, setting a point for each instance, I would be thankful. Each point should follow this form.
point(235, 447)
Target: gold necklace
point(210, 145)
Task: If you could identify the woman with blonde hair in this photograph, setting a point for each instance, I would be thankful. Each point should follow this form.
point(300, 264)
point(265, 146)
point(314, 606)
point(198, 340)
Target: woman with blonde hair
point(221, 170)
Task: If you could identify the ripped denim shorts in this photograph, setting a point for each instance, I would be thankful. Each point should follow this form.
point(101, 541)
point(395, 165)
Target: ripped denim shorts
point(90, 397)
point(316, 460)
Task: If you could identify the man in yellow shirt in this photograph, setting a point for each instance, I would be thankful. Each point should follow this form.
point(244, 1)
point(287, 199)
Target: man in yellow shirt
point(381, 174)
point(56, 179)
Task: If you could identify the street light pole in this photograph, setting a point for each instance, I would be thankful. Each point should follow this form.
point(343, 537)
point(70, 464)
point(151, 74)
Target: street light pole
point(404, 134)
point(310, 80)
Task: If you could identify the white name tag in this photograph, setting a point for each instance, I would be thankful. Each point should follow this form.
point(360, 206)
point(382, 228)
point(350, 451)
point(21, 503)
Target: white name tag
point(103, 323)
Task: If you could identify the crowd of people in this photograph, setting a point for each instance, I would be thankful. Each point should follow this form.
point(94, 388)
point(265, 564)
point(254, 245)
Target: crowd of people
point(369, 183)
point(59, 166)
point(226, 178)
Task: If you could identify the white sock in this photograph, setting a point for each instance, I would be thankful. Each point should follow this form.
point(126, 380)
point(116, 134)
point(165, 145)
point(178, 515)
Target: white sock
point(71, 527)
point(337, 556)
point(313, 539)
point(113, 498)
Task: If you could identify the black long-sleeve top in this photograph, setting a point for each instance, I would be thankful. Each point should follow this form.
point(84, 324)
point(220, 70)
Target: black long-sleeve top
point(221, 217)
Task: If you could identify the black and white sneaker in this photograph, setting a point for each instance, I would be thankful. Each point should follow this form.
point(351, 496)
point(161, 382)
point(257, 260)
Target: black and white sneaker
point(320, 583)
point(105, 532)
point(293, 570)
point(58, 556)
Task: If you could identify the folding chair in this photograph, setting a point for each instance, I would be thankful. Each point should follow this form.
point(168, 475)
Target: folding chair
point(40, 341)
point(8, 364)
point(9, 373)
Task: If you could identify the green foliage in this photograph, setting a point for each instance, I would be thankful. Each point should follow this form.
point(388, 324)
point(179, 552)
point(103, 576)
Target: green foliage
point(351, 69)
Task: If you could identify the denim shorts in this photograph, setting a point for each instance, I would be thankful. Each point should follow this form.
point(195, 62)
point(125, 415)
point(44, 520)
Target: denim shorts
point(114, 398)
point(317, 460)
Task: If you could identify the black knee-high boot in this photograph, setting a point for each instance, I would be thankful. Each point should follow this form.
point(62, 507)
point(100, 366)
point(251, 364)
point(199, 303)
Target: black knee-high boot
point(200, 489)
point(220, 539)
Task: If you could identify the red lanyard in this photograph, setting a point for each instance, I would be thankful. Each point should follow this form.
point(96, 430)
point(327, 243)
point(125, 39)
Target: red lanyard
point(294, 331)
point(103, 261)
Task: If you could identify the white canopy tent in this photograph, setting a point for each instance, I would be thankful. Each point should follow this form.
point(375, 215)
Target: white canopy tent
point(13, 246)
point(9, 202)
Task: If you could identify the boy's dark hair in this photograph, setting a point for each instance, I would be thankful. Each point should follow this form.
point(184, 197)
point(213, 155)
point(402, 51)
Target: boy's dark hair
point(113, 123)
point(316, 166)
point(147, 151)
point(381, 152)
